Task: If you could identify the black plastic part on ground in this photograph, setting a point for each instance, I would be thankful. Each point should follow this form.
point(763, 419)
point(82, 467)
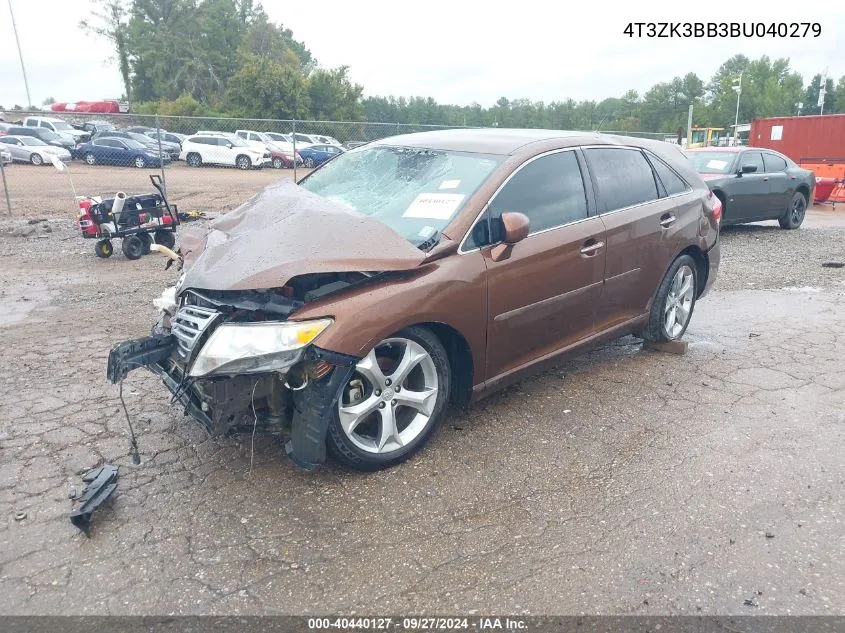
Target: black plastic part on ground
point(101, 483)
point(313, 410)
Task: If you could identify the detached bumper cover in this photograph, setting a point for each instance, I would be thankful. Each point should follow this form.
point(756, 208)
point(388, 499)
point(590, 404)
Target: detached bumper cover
point(314, 405)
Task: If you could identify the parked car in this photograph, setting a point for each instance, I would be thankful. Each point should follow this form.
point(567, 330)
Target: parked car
point(142, 129)
point(98, 127)
point(423, 270)
point(59, 126)
point(169, 137)
point(107, 150)
point(219, 149)
point(172, 150)
point(46, 135)
point(354, 144)
point(319, 154)
point(29, 149)
point(327, 140)
point(5, 156)
point(755, 184)
point(281, 153)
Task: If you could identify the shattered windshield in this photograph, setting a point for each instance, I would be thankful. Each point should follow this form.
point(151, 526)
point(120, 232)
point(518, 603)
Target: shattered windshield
point(414, 191)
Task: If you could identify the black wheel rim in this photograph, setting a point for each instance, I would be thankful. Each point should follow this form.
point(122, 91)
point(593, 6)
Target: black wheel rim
point(798, 208)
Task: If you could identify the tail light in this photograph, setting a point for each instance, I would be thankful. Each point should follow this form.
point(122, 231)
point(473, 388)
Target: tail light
point(716, 203)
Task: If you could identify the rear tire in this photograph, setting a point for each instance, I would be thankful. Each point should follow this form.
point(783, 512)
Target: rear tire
point(146, 240)
point(104, 249)
point(277, 163)
point(429, 372)
point(673, 300)
point(36, 159)
point(166, 239)
point(794, 216)
point(140, 163)
point(90, 159)
point(133, 247)
point(309, 162)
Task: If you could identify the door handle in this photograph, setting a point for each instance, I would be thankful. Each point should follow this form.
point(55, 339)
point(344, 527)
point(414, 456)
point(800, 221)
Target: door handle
point(590, 248)
point(667, 220)
point(765, 178)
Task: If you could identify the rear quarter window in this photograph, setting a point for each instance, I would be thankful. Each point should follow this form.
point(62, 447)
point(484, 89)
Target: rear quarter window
point(673, 184)
point(774, 163)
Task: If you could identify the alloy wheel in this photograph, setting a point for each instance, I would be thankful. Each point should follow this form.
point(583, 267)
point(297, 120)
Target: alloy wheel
point(799, 206)
point(678, 306)
point(390, 398)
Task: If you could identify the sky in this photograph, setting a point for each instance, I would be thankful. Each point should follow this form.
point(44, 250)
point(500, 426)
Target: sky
point(456, 52)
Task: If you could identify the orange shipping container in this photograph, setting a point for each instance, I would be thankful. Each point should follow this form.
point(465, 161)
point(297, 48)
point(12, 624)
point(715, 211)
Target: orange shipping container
point(805, 139)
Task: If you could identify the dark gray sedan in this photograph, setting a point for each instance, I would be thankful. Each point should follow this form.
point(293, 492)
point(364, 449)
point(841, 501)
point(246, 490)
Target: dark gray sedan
point(755, 184)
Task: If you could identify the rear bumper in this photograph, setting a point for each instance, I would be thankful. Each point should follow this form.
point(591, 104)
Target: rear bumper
point(713, 258)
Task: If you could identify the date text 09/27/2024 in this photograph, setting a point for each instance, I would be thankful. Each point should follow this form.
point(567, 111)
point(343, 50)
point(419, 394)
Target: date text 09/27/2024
point(723, 29)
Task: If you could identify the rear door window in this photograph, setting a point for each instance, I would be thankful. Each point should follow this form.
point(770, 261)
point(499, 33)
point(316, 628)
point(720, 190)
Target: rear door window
point(623, 177)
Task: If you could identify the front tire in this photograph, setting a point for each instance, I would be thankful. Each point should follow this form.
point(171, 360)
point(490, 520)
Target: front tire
point(36, 159)
point(243, 162)
point(103, 249)
point(277, 163)
point(794, 216)
point(671, 310)
point(140, 163)
point(193, 160)
point(309, 162)
point(393, 402)
point(90, 159)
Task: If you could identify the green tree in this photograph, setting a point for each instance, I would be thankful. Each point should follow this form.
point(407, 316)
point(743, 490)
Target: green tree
point(269, 89)
point(811, 96)
point(333, 96)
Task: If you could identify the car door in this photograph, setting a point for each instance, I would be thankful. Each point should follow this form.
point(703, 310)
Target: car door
point(749, 193)
point(16, 148)
point(106, 151)
point(781, 185)
point(643, 224)
point(542, 297)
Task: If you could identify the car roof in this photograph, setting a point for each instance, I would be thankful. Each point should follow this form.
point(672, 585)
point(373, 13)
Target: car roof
point(503, 141)
point(732, 149)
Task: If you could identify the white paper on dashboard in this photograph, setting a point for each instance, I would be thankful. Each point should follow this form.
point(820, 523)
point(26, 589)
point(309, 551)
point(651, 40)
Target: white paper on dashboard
point(434, 206)
point(717, 164)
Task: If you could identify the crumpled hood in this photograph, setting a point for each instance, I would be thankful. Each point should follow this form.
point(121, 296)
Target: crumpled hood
point(286, 231)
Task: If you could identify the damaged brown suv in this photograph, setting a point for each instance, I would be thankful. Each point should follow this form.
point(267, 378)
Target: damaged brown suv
point(423, 270)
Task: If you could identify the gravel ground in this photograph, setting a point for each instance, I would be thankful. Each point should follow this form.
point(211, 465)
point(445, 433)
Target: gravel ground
point(622, 482)
point(765, 256)
point(43, 192)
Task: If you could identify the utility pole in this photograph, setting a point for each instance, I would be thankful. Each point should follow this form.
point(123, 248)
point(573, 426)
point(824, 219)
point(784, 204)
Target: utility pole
point(821, 92)
point(738, 89)
point(689, 125)
point(20, 54)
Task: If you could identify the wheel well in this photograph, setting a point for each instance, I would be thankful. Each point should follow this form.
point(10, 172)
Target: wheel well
point(804, 189)
point(721, 196)
point(240, 156)
point(460, 360)
point(701, 264)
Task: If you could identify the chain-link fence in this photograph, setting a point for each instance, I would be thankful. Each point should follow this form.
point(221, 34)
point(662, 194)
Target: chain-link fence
point(209, 164)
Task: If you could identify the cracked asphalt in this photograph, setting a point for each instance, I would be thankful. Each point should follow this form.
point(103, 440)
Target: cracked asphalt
point(623, 482)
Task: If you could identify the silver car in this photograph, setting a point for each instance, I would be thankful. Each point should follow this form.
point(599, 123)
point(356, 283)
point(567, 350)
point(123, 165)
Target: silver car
point(28, 149)
point(5, 156)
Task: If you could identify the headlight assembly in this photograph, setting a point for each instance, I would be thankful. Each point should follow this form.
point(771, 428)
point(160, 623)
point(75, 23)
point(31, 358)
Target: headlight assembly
point(243, 348)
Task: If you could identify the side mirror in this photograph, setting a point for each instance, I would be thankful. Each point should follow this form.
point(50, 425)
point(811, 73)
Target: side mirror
point(747, 169)
point(229, 145)
point(516, 227)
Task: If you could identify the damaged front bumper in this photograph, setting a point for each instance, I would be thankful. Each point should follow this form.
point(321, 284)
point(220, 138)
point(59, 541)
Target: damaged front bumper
point(301, 394)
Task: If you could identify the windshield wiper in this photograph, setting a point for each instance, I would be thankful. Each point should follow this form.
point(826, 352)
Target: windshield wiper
point(430, 242)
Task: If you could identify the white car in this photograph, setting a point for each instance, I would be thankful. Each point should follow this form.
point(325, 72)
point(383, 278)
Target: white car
point(327, 140)
point(59, 126)
point(222, 149)
point(28, 149)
